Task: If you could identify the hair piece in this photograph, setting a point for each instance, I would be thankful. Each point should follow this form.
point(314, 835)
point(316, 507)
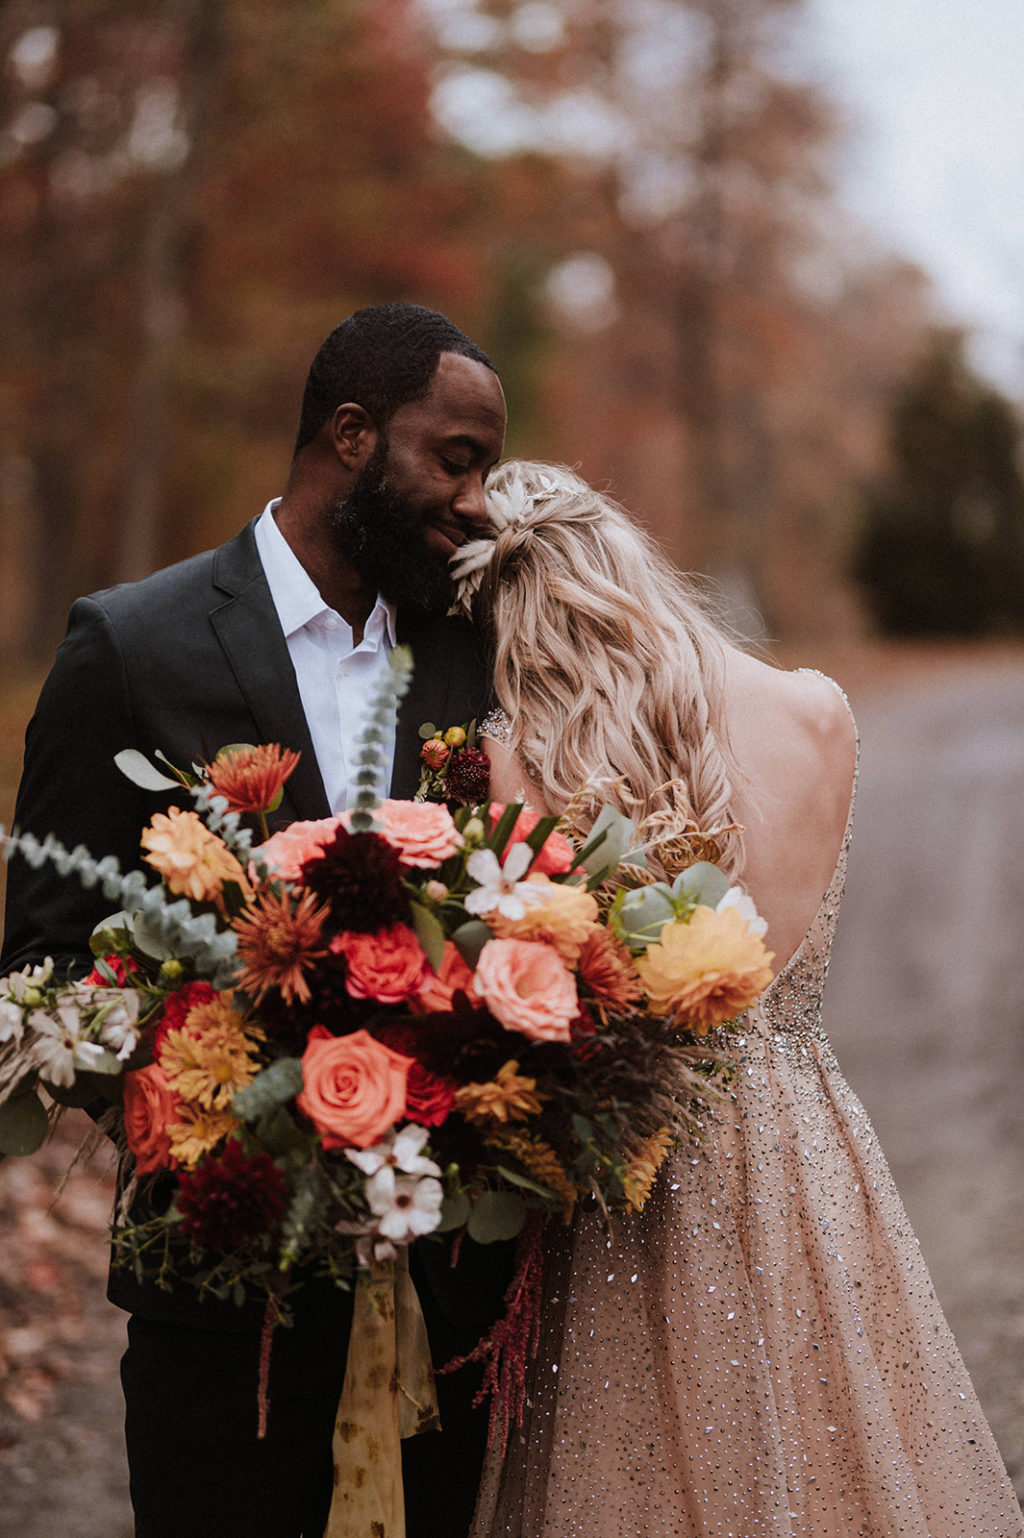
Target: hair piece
point(607, 662)
point(381, 357)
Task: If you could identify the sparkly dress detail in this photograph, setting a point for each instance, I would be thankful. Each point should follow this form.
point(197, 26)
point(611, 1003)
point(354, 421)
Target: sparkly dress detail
point(760, 1352)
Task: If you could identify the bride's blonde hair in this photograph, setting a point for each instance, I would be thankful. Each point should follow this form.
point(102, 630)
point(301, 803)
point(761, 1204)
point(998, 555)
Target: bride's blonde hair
point(606, 661)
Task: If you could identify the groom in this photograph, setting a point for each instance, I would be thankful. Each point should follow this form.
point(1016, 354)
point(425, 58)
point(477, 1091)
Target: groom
point(279, 636)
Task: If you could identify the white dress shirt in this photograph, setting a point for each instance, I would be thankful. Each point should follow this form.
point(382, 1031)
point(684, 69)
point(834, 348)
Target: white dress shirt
point(336, 679)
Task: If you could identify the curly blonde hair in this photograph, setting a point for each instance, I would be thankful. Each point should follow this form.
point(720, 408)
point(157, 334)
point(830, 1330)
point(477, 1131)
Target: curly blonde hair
point(607, 662)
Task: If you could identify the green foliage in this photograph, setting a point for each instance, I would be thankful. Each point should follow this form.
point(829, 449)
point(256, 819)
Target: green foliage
point(23, 1124)
point(942, 547)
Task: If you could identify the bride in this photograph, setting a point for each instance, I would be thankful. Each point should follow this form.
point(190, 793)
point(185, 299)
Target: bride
point(759, 1352)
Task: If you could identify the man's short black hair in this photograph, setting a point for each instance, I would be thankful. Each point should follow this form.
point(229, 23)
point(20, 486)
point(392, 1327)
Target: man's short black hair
point(380, 358)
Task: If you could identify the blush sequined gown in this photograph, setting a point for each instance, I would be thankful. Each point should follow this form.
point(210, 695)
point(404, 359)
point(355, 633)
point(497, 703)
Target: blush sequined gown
point(760, 1352)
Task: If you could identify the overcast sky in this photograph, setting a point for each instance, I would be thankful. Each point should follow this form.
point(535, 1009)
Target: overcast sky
point(935, 155)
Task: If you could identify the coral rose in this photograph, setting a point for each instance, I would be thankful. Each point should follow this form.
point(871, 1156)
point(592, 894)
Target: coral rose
point(706, 971)
point(556, 854)
point(150, 1105)
point(438, 992)
point(423, 833)
point(354, 1088)
point(289, 849)
point(528, 988)
point(389, 966)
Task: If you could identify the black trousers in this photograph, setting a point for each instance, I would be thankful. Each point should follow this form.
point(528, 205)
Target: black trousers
point(199, 1470)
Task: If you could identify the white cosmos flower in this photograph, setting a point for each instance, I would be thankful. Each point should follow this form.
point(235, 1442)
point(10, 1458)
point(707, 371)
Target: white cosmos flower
point(501, 887)
point(12, 1023)
point(406, 1206)
point(58, 1048)
point(118, 1020)
point(401, 1151)
point(737, 898)
point(30, 978)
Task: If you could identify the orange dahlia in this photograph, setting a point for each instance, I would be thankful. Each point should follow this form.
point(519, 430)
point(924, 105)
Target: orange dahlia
point(565, 919)
point(252, 779)
point(278, 942)
point(509, 1096)
point(606, 969)
point(706, 971)
point(193, 861)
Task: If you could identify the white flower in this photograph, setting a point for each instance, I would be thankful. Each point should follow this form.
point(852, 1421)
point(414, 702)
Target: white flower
point(500, 885)
point(11, 1022)
point(401, 1151)
point(31, 981)
point(405, 1205)
point(58, 1048)
point(737, 898)
point(117, 1019)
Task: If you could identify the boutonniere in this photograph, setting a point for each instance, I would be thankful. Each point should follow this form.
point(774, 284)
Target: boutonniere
point(452, 767)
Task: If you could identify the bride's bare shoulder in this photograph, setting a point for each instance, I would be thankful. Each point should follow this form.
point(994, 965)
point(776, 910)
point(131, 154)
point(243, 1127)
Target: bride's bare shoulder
point(777, 716)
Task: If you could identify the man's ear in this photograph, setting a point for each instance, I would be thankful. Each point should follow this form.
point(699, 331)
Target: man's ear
point(353, 435)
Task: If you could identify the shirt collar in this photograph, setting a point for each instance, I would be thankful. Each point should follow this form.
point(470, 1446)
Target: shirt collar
point(297, 598)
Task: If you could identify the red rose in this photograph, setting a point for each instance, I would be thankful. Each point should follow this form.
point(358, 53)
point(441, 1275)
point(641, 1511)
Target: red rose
point(389, 966)
point(149, 1104)
point(429, 1096)
point(120, 968)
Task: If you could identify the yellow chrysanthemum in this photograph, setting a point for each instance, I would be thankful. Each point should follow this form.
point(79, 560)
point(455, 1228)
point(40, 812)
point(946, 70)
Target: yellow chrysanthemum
point(644, 1164)
point(211, 1057)
point(193, 861)
point(565, 919)
point(509, 1096)
point(706, 971)
point(196, 1131)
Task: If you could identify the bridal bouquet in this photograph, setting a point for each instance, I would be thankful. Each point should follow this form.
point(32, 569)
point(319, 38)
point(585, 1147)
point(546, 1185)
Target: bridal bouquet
point(387, 1024)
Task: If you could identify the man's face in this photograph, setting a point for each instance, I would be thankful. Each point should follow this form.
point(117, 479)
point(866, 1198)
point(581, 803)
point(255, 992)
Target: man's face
point(421, 493)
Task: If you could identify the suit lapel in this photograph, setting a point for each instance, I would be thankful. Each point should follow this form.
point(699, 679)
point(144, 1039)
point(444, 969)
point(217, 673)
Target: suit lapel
point(431, 645)
point(249, 632)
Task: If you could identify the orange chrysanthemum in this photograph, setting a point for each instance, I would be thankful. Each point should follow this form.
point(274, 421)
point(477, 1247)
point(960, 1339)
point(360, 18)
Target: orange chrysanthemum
point(706, 971)
point(212, 1056)
point(278, 942)
point(193, 861)
point(565, 919)
point(509, 1096)
point(196, 1131)
point(644, 1164)
point(251, 779)
point(606, 969)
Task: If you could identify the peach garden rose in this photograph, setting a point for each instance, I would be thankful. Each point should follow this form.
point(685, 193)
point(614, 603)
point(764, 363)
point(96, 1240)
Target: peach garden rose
point(527, 986)
point(354, 1088)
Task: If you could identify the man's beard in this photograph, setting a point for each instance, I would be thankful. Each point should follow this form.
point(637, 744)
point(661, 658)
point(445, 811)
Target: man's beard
point(382, 535)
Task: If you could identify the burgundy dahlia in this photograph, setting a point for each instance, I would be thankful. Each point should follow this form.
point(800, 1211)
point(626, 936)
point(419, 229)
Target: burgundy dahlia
point(230, 1198)
point(360, 877)
point(467, 779)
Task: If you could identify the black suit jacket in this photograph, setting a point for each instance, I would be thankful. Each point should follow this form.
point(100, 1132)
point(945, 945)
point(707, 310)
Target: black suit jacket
point(187, 660)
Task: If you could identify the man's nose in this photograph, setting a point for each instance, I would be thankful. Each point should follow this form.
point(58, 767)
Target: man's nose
point(470, 503)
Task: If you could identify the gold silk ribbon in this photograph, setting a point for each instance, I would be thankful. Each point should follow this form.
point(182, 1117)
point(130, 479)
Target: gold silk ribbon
point(388, 1394)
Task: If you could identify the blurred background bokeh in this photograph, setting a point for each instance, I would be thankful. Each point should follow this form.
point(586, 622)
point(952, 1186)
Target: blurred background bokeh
point(753, 265)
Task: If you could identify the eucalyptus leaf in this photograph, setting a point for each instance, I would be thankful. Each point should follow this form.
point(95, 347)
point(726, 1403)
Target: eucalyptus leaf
point(702, 883)
point(136, 767)
point(527, 1184)
point(274, 1087)
point(147, 938)
point(427, 730)
point(641, 915)
point(496, 1215)
point(23, 1124)
point(230, 749)
point(109, 933)
point(454, 1212)
point(429, 933)
point(470, 939)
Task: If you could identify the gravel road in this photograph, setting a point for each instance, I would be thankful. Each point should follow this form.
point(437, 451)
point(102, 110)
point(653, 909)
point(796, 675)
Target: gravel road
point(926, 1007)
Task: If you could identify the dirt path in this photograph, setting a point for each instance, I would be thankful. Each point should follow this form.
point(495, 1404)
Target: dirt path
point(926, 997)
point(925, 1005)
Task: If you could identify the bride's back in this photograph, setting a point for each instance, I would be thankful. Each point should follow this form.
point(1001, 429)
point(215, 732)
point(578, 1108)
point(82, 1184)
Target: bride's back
point(794, 743)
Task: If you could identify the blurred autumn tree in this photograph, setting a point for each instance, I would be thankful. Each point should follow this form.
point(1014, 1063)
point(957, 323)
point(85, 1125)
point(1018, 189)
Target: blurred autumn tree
point(942, 550)
point(729, 345)
point(193, 192)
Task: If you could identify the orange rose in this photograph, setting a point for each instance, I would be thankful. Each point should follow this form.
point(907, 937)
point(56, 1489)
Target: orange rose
point(288, 850)
point(454, 976)
point(150, 1105)
point(389, 966)
point(354, 1088)
point(422, 832)
point(556, 852)
point(527, 986)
